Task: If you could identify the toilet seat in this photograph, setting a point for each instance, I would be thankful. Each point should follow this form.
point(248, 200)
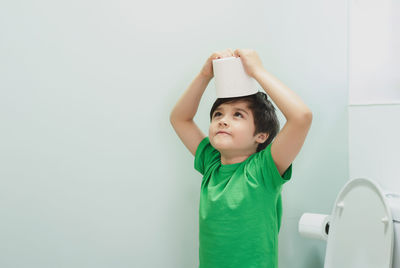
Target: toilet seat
point(361, 228)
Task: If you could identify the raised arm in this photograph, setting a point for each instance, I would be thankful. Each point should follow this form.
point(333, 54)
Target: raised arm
point(185, 109)
point(290, 139)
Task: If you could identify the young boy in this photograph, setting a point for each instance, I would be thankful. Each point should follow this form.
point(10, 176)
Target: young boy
point(244, 167)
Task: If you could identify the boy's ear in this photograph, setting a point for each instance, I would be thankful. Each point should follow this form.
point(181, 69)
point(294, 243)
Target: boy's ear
point(262, 137)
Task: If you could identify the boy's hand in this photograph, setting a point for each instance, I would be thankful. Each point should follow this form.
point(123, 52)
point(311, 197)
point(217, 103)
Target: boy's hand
point(251, 62)
point(207, 70)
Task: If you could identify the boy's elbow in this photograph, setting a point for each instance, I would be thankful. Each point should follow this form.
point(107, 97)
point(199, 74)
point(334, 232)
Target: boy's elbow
point(175, 118)
point(308, 116)
point(172, 118)
point(304, 118)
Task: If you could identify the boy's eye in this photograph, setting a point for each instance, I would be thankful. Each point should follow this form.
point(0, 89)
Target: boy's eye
point(238, 114)
point(217, 114)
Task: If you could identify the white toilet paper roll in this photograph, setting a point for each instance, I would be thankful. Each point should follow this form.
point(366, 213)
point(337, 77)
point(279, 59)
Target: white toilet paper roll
point(314, 226)
point(231, 80)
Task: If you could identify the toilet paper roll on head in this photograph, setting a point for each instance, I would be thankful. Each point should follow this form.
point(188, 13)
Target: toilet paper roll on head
point(231, 80)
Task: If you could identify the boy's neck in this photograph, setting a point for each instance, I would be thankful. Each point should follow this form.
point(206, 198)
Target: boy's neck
point(227, 159)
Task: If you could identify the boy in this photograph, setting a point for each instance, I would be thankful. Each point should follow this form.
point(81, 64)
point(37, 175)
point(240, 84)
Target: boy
point(244, 170)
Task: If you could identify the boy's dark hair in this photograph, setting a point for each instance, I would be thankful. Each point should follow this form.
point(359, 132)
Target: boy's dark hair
point(265, 119)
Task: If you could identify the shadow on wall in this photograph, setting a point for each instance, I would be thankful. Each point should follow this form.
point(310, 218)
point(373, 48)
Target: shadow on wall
point(314, 258)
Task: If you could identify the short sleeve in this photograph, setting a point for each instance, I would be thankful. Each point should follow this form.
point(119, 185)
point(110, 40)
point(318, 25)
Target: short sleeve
point(205, 154)
point(270, 173)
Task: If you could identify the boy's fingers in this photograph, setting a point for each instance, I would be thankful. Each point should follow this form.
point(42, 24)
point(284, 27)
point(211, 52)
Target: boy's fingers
point(231, 53)
point(221, 54)
point(224, 54)
point(237, 52)
point(216, 54)
point(228, 53)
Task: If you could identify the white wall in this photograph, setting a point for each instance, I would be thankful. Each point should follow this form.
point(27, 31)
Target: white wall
point(374, 144)
point(91, 172)
point(374, 92)
point(374, 56)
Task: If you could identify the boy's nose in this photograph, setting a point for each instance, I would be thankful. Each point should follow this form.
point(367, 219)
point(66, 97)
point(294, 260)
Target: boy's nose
point(222, 123)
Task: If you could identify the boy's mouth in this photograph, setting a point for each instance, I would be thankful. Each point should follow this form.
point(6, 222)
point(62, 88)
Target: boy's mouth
point(222, 132)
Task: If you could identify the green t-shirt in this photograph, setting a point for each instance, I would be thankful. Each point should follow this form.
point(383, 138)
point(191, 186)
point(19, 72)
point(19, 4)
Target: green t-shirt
point(240, 209)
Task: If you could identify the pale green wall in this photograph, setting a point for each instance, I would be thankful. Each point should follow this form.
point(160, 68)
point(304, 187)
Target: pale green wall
point(91, 172)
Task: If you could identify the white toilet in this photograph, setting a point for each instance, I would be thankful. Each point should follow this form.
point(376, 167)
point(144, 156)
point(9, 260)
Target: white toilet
point(364, 228)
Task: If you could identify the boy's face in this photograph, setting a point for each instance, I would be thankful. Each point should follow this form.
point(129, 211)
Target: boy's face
point(232, 128)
